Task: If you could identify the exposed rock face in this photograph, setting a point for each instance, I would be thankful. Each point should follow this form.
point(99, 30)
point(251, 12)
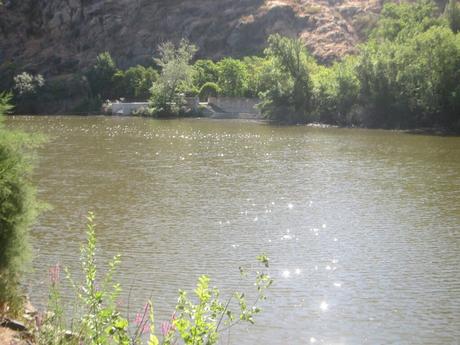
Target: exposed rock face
point(61, 36)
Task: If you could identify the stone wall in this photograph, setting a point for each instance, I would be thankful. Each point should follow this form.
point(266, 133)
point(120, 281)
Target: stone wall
point(192, 103)
point(236, 105)
point(128, 108)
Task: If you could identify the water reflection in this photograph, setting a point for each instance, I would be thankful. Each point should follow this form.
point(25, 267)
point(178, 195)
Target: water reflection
point(324, 306)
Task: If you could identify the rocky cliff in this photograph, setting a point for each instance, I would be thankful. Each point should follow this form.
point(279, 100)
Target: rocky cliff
point(61, 36)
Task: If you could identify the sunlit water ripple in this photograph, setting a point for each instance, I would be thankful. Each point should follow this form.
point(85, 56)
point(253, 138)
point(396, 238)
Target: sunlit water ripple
point(362, 227)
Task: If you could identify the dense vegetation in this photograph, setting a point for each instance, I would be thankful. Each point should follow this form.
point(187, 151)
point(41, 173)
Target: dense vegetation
point(17, 210)
point(406, 75)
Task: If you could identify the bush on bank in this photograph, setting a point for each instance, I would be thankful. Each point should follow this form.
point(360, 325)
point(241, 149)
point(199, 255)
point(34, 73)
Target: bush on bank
point(18, 209)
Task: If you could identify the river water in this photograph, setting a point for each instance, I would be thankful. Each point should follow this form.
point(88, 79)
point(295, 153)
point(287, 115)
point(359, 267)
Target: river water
point(362, 227)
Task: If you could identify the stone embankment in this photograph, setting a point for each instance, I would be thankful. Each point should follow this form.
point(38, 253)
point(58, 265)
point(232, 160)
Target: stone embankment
point(234, 108)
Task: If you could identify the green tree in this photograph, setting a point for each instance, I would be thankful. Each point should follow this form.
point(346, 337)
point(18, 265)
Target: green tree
point(27, 91)
point(176, 76)
point(336, 91)
point(289, 98)
point(409, 70)
point(260, 75)
point(135, 83)
point(233, 77)
point(429, 74)
point(404, 20)
point(209, 90)
point(452, 13)
point(101, 76)
point(18, 208)
point(206, 71)
point(380, 93)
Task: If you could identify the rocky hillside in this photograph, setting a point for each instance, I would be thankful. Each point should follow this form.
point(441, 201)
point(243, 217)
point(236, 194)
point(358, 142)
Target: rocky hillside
point(60, 36)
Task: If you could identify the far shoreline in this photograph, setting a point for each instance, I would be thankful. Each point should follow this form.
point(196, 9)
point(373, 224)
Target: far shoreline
point(429, 131)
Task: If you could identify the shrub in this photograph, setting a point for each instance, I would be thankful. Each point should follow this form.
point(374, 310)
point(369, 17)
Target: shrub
point(167, 98)
point(233, 77)
point(209, 90)
point(335, 92)
point(288, 99)
point(403, 20)
point(101, 76)
point(18, 208)
point(89, 105)
point(27, 90)
point(8, 70)
point(135, 83)
point(261, 73)
point(206, 71)
point(452, 13)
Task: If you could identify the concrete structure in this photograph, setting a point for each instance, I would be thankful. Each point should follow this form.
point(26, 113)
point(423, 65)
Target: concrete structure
point(236, 107)
point(192, 103)
point(119, 108)
point(128, 108)
point(217, 107)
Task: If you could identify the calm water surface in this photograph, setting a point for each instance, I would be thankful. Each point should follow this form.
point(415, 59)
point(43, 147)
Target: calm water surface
point(362, 227)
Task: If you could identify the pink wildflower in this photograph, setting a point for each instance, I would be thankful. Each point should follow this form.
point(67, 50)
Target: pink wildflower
point(142, 320)
point(54, 273)
point(168, 327)
point(145, 328)
point(138, 319)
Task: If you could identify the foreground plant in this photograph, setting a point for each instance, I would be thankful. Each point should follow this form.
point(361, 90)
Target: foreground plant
point(197, 320)
point(18, 209)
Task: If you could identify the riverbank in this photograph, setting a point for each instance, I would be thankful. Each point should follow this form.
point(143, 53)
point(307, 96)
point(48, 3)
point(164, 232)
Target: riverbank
point(19, 331)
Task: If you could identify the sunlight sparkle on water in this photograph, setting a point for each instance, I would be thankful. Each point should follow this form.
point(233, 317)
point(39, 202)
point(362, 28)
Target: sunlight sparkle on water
point(290, 206)
point(324, 306)
point(312, 340)
point(286, 274)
